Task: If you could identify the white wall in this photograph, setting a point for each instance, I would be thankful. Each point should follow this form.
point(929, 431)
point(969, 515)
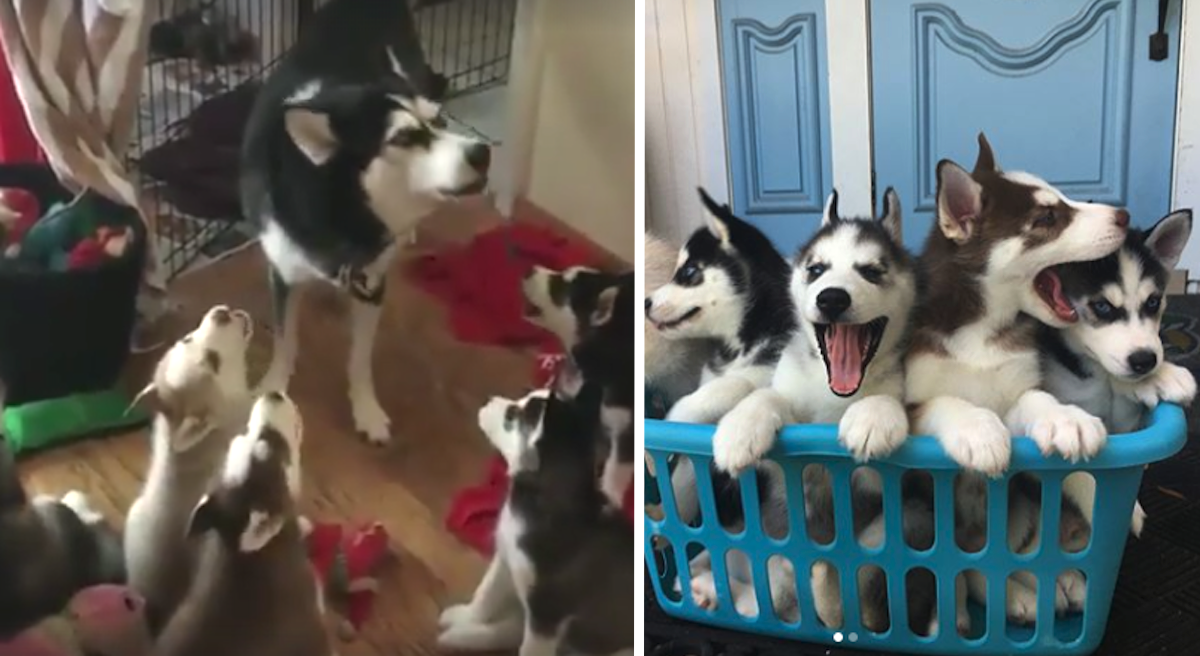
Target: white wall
point(581, 166)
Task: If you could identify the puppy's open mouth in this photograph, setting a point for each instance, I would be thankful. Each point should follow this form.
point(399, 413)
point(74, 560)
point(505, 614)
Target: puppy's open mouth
point(1049, 288)
point(469, 189)
point(675, 323)
point(848, 349)
point(530, 310)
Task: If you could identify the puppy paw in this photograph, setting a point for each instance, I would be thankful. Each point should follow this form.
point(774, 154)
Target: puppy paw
point(1173, 384)
point(1138, 522)
point(1022, 606)
point(873, 427)
point(743, 437)
point(474, 637)
point(79, 503)
point(456, 614)
point(746, 603)
point(1069, 431)
point(690, 409)
point(370, 419)
point(978, 440)
point(1070, 593)
point(704, 591)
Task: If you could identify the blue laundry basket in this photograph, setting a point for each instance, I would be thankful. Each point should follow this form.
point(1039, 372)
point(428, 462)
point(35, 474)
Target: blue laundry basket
point(1117, 470)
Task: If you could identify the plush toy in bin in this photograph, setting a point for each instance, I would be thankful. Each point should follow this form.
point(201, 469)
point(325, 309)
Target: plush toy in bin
point(103, 620)
point(346, 561)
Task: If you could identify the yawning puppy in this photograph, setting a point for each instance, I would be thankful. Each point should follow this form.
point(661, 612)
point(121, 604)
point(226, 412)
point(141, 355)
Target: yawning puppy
point(591, 313)
point(200, 400)
point(563, 552)
point(254, 592)
point(49, 550)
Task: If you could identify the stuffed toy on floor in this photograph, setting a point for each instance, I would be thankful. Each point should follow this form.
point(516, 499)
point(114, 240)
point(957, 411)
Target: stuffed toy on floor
point(103, 620)
point(346, 560)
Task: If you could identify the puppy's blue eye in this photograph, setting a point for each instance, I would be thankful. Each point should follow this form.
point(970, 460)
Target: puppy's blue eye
point(815, 270)
point(1102, 308)
point(688, 275)
point(1153, 303)
point(1044, 221)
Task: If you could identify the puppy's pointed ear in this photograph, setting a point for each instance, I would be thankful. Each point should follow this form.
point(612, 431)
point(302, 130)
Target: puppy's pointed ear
point(309, 115)
point(959, 202)
point(148, 398)
point(985, 161)
point(568, 381)
point(261, 527)
point(891, 219)
point(831, 209)
point(1169, 236)
point(716, 219)
point(206, 516)
point(397, 67)
point(605, 303)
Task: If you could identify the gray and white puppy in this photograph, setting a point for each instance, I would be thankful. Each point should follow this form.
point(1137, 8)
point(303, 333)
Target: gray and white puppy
point(200, 398)
point(673, 367)
point(49, 550)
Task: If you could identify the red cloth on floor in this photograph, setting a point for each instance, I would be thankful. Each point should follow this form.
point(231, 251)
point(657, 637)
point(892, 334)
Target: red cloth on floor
point(17, 143)
point(481, 283)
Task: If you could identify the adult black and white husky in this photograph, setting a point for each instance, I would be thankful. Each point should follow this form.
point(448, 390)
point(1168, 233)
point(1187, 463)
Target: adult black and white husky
point(344, 153)
point(560, 574)
point(973, 374)
point(729, 287)
point(853, 286)
point(1110, 361)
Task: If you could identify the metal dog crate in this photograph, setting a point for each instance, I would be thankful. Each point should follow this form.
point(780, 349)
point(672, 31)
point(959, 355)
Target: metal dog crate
point(209, 55)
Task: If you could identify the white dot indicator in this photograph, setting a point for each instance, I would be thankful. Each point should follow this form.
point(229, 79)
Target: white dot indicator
point(853, 637)
point(837, 637)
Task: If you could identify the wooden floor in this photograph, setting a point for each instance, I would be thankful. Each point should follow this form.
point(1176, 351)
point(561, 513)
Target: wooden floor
point(431, 385)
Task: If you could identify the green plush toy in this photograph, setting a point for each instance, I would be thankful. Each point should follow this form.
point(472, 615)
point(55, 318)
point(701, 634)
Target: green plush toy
point(103, 620)
point(51, 237)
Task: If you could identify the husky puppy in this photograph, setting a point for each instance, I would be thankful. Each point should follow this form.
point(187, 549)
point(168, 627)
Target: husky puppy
point(973, 372)
point(1110, 362)
point(672, 366)
point(853, 286)
point(49, 550)
point(345, 152)
point(563, 551)
point(200, 397)
point(591, 313)
point(729, 287)
point(254, 592)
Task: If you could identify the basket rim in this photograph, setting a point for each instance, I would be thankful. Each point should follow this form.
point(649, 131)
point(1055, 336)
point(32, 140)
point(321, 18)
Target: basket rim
point(1162, 438)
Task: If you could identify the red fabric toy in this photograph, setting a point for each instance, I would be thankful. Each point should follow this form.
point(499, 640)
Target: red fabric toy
point(105, 244)
point(345, 562)
point(480, 282)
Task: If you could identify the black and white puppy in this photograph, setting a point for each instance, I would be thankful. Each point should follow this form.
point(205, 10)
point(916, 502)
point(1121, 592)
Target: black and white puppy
point(560, 574)
point(591, 313)
point(344, 153)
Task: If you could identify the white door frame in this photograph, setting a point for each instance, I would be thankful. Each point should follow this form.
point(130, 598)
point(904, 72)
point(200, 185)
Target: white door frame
point(688, 78)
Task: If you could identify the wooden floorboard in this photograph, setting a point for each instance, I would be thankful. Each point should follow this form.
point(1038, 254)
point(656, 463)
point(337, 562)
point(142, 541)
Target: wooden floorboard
point(432, 387)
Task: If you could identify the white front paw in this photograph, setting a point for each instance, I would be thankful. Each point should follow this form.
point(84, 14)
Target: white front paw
point(370, 419)
point(1072, 588)
point(689, 410)
point(873, 427)
point(475, 637)
point(1174, 384)
point(743, 437)
point(1070, 431)
point(456, 614)
point(745, 602)
point(978, 440)
point(704, 591)
point(1022, 605)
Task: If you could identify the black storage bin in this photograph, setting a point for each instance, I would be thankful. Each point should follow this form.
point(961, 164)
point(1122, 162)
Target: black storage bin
point(66, 332)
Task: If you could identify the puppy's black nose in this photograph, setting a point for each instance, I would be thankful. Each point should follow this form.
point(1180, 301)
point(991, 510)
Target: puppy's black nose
point(1122, 219)
point(221, 316)
point(479, 157)
point(1142, 361)
point(274, 397)
point(649, 304)
point(833, 302)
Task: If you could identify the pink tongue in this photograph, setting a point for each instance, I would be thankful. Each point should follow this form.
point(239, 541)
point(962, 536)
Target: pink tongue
point(1050, 287)
point(845, 346)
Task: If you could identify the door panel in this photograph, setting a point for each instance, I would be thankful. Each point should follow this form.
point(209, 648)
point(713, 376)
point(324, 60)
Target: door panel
point(1065, 90)
point(774, 77)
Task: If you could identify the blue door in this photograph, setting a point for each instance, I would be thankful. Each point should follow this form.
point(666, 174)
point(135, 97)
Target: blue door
point(1066, 90)
point(777, 111)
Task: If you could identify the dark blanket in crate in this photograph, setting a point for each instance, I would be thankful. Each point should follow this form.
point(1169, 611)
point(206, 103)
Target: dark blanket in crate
point(1156, 607)
point(198, 167)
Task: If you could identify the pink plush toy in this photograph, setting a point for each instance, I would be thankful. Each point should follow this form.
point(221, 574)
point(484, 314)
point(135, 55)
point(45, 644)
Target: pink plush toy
point(103, 620)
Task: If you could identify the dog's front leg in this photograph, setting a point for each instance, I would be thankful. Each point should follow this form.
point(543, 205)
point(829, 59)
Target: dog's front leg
point(285, 305)
point(370, 419)
point(1170, 382)
point(748, 431)
point(709, 403)
point(972, 436)
point(1055, 426)
point(492, 620)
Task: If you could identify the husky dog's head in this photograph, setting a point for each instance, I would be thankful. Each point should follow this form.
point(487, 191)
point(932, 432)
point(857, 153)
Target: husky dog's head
point(722, 269)
point(396, 140)
point(854, 287)
point(1120, 299)
point(200, 373)
point(578, 302)
point(1016, 226)
point(514, 427)
point(254, 495)
point(544, 425)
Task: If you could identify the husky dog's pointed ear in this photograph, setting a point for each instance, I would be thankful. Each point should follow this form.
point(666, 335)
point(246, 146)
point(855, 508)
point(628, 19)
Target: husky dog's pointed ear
point(568, 381)
point(147, 398)
point(959, 201)
point(715, 221)
point(206, 516)
point(985, 161)
point(831, 209)
point(261, 527)
point(891, 219)
point(605, 303)
point(397, 68)
point(308, 117)
point(1169, 236)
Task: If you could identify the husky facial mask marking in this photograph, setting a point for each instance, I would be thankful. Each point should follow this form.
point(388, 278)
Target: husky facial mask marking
point(514, 427)
point(572, 303)
point(1019, 226)
point(399, 139)
point(845, 287)
point(1120, 299)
